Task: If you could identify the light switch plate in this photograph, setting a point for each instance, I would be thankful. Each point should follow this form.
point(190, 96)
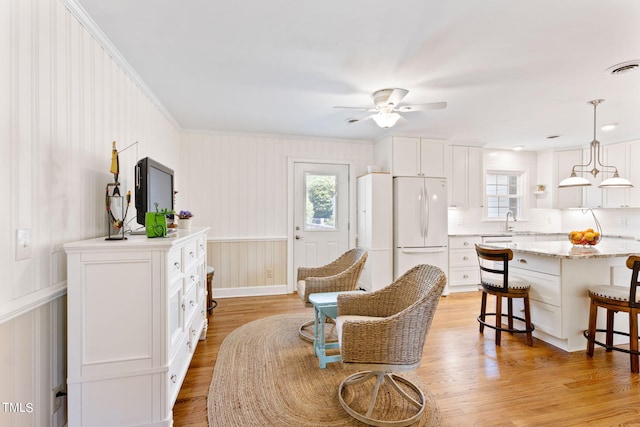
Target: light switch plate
point(23, 244)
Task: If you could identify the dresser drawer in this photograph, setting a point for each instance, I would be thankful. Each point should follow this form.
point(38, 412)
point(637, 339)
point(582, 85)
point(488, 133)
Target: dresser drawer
point(174, 264)
point(190, 304)
point(190, 255)
point(178, 369)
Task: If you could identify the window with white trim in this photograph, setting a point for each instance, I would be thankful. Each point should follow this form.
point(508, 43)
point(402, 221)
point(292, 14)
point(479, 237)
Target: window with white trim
point(504, 193)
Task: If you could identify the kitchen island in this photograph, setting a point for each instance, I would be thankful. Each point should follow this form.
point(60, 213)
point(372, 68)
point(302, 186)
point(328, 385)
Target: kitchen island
point(560, 275)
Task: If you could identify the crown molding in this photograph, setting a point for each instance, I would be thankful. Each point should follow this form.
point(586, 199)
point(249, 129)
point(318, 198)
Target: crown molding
point(90, 25)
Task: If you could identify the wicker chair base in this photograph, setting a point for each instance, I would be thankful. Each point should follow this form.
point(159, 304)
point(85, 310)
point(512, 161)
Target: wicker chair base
point(380, 377)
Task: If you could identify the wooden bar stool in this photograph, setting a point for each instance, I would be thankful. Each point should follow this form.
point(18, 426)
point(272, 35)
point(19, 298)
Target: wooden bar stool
point(495, 280)
point(211, 303)
point(615, 299)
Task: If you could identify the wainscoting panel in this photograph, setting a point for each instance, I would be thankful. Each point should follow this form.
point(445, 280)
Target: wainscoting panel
point(241, 263)
point(63, 99)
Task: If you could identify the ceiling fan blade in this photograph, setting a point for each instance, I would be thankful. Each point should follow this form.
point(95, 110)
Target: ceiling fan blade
point(396, 96)
point(356, 108)
point(422, 107)
point(354, 120)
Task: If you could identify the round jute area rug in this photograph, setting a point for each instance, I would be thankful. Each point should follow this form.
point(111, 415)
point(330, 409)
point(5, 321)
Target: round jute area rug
point(265, 375)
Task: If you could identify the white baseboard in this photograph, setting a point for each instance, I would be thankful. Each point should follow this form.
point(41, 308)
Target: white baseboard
point(249, 291)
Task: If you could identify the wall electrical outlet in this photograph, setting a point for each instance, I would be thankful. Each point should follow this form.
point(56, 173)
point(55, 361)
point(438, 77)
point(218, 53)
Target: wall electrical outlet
point(23, 244)
point(269, 273)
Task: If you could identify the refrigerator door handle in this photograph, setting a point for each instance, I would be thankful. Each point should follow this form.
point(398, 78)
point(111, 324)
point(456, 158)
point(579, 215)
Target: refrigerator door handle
point(427, 213)
point(421, 205)
point(423, 250)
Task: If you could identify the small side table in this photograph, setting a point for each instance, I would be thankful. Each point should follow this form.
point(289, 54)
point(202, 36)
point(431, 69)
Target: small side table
point(211, 303)
point(325, 305)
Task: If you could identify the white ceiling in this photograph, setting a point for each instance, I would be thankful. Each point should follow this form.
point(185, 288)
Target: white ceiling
point(512, 72)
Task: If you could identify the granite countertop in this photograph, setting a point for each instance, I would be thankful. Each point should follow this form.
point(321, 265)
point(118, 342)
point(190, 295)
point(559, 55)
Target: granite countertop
point(564, 249)
point(530, 233)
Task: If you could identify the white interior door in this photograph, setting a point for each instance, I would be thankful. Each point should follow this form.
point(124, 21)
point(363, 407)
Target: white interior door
point(321, 213)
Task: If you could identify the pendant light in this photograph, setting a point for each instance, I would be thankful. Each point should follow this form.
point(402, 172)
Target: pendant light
point(594, 161)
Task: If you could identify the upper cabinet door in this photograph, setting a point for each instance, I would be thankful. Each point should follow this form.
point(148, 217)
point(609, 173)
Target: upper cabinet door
point(432, 158)
point(567, 197)
point(418, 157)
point(465, 177)
point(406, 156)
point(623, 156)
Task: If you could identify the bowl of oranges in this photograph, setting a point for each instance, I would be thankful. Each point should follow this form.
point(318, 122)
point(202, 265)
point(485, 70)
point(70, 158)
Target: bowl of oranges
point(587, 237)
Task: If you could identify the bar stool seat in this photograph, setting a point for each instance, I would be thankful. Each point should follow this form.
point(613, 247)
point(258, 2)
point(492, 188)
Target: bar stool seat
point(615, 299)
point(496, 280)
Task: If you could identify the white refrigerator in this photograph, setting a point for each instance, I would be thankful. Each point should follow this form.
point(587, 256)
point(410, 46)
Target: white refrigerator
point(420, 229)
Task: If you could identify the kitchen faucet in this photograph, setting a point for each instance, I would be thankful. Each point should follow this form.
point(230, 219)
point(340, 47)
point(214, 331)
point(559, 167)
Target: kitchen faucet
point(506, 223)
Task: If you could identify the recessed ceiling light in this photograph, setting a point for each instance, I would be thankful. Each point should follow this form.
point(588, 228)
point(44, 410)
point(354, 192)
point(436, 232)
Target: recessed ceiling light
point(518, 147)
point(608, 127)
point(623, 67)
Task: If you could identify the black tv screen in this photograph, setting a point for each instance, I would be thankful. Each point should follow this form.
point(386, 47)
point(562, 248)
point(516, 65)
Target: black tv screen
point(154, 184)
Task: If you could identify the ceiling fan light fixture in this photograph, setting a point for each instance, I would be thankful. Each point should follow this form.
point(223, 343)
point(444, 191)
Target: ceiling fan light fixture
point(386, 120)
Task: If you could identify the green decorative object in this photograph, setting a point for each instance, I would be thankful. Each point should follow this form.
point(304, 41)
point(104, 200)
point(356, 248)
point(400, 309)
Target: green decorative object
point(156, 222)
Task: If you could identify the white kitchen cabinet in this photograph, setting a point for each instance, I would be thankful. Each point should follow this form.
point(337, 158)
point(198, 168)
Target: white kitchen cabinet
point(135, 310)
point(465, 177)
point(375, 228)
point(464, 272)
point(566, 197)
point(624, 157)
point(409, 156)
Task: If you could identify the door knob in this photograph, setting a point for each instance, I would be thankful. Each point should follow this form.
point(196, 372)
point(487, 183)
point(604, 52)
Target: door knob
point(298, 237)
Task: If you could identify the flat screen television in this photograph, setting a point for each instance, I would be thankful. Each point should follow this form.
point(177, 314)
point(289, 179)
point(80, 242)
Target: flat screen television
point(154, 184)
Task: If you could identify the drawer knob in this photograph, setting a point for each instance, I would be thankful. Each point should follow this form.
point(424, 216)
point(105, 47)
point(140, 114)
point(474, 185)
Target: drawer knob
point(466, 243)
point(177, 265)
point(466, 276)
point(192, 302)
point(184, 307)
point(192, 254)
point(522, 261)
point(466, 258)
point(174, 378)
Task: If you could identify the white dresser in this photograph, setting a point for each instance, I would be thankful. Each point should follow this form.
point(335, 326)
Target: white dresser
point(135, 310)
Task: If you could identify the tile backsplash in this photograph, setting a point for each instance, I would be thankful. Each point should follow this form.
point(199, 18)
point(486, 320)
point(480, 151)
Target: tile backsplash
point(614, 222)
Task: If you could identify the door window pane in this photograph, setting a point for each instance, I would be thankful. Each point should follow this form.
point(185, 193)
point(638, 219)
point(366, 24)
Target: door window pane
point(320, 207)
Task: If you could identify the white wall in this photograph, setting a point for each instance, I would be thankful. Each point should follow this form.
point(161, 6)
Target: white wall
point(63, 99)
point(237, 184)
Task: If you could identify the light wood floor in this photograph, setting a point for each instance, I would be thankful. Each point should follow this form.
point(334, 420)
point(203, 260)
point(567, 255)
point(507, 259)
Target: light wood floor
point(475, 382)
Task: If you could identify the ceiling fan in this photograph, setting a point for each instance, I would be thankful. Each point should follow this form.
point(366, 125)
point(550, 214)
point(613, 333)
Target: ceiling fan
point(385, 112)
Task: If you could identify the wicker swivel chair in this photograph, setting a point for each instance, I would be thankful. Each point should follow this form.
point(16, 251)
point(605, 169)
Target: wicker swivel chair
point(614, 299)
point(384, 332)
point(338, 276)
point(496, 280)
